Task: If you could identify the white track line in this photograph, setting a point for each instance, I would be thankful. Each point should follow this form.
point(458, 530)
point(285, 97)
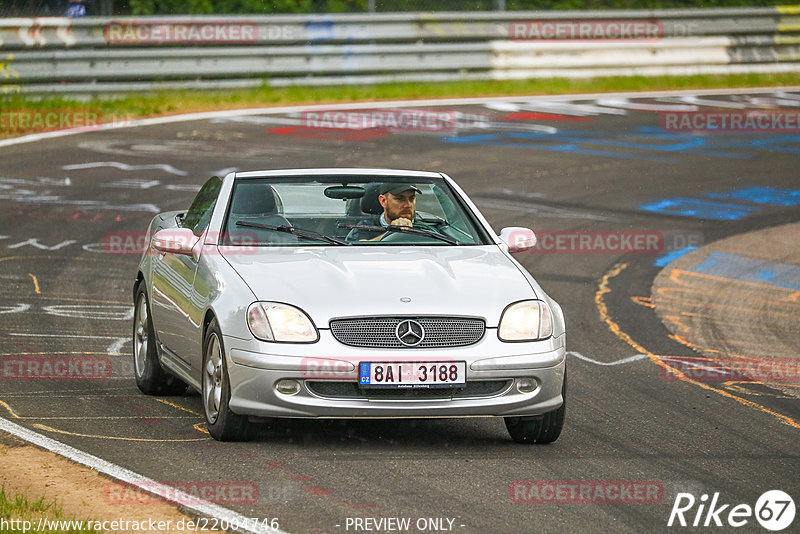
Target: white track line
point(116, 346)
point(206, 115)
point(167, 493)
point(125, 167)
point(629, 359)
point(66, 335)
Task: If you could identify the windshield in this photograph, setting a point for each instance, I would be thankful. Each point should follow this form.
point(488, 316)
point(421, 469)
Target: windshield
point(351, 210)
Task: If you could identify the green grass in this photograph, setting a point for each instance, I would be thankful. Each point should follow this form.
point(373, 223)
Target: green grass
point(172, 102)
point(18, 507)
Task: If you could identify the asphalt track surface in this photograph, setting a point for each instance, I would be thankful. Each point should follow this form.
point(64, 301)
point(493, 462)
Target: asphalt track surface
point(583, 166)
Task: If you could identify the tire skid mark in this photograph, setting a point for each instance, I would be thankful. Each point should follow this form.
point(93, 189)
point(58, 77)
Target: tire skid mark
point(688, 301)
point(675, 276)
point(741, 386)
point(603, 289)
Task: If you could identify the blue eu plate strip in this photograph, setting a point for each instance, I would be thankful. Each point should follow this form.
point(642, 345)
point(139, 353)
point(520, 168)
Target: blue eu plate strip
point(364, 373)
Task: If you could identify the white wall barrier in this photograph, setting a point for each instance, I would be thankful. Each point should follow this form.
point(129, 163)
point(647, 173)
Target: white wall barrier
point(101, 55)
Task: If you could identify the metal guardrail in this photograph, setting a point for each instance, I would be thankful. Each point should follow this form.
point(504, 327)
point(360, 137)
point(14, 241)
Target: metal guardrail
point(59, 55)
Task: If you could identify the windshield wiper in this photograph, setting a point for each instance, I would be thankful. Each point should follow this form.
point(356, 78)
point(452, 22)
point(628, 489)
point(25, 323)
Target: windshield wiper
point(438, 221)
point(299, 232)
point(404, 229)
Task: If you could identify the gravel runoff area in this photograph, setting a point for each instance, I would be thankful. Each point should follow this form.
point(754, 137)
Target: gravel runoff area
point(82, 493)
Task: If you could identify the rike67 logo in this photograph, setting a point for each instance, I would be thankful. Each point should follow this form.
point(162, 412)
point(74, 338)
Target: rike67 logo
point(774, 510)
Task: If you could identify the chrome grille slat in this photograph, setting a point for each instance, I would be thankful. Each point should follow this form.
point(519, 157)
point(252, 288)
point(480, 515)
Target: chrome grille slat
point(379, 332)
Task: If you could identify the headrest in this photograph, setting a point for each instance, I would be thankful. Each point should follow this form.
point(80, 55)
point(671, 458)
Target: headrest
point(251, 199)
point(369, 202)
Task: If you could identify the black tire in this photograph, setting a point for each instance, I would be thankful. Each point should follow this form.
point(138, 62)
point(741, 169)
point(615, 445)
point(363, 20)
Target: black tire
point(223, 424)
point(539, 429)
point(151, 378)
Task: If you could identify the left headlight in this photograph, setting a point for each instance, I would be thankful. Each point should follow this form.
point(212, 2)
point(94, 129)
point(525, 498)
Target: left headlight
point(526, 321)
point(273, 321)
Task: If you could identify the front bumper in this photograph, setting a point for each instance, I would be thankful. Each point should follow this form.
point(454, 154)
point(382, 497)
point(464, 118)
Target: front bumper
point(328, 378)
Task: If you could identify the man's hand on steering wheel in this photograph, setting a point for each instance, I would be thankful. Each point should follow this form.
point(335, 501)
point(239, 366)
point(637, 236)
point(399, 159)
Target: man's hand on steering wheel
point(402, 221)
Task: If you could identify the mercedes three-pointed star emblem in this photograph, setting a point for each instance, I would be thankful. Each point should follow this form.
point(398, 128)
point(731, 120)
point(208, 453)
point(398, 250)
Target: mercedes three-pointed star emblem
point(410, 333)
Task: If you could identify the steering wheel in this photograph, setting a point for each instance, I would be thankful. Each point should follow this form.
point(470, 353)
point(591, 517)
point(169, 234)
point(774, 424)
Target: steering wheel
point(399, 237)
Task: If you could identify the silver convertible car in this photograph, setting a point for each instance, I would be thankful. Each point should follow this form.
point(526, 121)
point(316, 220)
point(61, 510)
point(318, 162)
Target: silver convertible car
point(346, 293)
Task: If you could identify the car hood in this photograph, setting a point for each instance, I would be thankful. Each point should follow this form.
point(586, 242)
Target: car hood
point(329, 282)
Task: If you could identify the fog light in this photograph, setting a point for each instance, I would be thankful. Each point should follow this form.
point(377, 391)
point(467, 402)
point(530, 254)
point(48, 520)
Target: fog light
point(526, 385)
point(288, 386)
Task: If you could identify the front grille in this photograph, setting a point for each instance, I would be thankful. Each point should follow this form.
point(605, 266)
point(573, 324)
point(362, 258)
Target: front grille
point(379, 332)
point(351, 390)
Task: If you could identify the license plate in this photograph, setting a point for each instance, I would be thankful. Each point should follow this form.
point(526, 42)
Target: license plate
point(412, 374)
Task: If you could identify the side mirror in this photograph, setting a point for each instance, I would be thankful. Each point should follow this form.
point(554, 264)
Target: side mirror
point(175, 241)
point(518, 238)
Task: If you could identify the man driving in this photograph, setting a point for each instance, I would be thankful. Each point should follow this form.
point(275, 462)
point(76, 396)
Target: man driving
point(399, 204)
point(399, 207)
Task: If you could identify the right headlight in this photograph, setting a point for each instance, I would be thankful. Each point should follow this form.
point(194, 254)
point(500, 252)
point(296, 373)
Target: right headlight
point(273, 321)
point(528, 320)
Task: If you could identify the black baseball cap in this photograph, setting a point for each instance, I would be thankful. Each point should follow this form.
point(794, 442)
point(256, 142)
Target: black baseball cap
point(396, 189)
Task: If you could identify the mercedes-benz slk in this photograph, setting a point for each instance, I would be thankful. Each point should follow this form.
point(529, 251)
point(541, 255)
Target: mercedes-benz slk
point(295, 293)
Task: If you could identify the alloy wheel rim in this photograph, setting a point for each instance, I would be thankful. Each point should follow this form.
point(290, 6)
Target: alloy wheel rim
point(141, 338)
point(212, 380)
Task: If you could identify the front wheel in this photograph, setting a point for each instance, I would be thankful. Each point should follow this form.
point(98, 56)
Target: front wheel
point(539, 429)
point(150, 376)
point(223, 424)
